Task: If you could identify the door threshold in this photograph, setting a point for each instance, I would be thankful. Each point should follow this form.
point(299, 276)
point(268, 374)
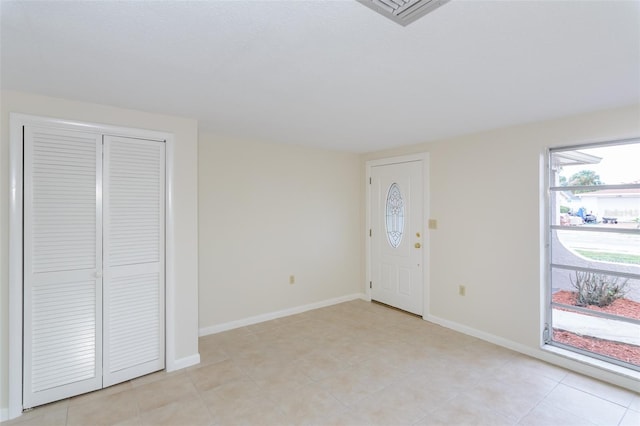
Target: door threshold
point(396, 309)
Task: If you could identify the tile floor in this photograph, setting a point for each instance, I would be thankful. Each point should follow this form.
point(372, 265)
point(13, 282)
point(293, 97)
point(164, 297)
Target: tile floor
point(355, 363)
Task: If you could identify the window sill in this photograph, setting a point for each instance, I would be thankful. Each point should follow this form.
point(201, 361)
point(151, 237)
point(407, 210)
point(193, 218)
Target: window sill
point(592, 362)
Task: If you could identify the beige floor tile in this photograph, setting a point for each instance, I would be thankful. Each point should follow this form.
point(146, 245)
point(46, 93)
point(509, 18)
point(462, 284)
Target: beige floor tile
point(261, 414)
point(307, 404)
point(378, 416)
point(448, 379)
point(631, 418)
point(111, 390)
point(257, 358)
point(47, 418)
point(274, 370)
point(350, 352)
point(351, 364)
point(54, 407)
point(211, 351)
point(295, 348)
point(132, 421)
point(231, 411)
point(192, 412)
point(582, 404)
point(513, 399)
point(600, 389)
point(432, 393)
point(378, 373)
point(338, 418)
point(398, 403)
point(635, 403)
point(521, 373)
point(154, 377)
point(547, 415)
point(162, 392)
point(239, 389)
point(214, 375)
point(320, 364)
point(462, 411)
point(237, 343)
point(106, 410)
point(534, 367)
point(280, 387)
point(347, 386)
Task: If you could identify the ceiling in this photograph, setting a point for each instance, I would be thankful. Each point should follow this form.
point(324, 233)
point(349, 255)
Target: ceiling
point(330, 74)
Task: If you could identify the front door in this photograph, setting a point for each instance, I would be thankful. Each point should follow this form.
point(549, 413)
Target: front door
point(397, 235)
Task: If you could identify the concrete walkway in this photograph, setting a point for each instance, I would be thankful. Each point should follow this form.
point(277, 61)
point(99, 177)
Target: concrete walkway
point(602, 328)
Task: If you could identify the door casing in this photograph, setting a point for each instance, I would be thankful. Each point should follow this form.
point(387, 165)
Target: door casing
point(16, 124)
point(423, 158)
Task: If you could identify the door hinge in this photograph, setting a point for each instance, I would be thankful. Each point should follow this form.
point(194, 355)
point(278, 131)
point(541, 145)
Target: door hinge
point(370, 284)
point(370, 232)
point(369, 181)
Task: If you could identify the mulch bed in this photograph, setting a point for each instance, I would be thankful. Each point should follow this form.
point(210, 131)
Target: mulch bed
point(622, 307)
point(622, 351)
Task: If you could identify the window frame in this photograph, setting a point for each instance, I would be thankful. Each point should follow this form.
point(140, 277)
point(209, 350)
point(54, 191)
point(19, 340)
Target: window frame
point(549, 265)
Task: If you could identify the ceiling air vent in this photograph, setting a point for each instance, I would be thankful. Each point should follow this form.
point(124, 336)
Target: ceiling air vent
point(403, 12)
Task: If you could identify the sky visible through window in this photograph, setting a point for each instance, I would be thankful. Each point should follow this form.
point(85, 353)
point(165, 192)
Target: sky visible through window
point(620, 164)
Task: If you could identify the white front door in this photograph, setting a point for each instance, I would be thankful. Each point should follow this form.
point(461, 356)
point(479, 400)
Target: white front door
point(397, 235)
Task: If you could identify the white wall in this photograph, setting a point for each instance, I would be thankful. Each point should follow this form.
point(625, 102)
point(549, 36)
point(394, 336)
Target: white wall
point(267, 211)
point(185, 203)
point(486, 196)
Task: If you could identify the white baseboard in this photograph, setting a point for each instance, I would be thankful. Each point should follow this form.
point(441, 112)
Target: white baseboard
point(205, 331)
point(584, 365)
point(185, 362)
point(492, 338)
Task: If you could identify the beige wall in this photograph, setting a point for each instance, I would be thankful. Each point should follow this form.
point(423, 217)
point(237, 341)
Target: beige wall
point(185, 205)
point(485, 193)
point(267, 211)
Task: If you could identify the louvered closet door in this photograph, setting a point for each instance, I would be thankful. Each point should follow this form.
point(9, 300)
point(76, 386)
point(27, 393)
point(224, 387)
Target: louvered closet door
point(133, 258)
point(62, 264)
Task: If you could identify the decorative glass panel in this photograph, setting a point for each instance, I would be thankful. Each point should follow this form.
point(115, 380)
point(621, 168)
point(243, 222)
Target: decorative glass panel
point(394, 222)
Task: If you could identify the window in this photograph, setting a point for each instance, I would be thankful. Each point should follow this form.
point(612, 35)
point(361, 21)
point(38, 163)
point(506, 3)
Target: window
point(394, 222)
point(594, 251)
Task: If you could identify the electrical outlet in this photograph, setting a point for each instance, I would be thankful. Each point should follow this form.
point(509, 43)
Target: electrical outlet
point(292, 279)
point(462, 290)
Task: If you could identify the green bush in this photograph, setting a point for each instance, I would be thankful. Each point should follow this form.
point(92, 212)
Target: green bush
point(564, 209)
point(597, 289)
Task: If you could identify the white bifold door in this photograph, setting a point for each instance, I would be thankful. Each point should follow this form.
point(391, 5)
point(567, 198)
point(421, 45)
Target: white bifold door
point(93, 261)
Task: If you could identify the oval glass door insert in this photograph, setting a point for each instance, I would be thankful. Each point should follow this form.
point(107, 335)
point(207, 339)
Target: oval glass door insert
point(394, 222)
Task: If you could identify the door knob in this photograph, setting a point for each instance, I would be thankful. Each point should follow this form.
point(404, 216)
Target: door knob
point(417, 245)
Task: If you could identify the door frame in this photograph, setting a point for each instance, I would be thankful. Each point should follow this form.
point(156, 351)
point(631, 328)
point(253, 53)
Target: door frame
point(423, 158)
point(16, 123)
